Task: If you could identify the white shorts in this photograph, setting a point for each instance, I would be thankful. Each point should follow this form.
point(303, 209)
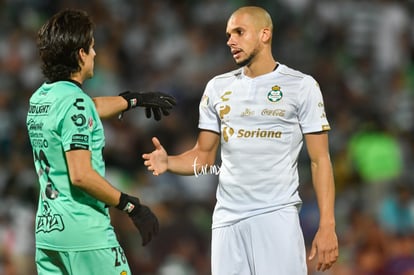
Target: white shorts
point(271, 243)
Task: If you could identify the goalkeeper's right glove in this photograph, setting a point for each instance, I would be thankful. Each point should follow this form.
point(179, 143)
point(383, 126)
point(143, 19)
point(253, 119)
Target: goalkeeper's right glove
point(141, 215)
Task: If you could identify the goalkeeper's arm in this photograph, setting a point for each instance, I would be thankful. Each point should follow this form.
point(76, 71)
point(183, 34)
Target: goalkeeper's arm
point(156, 103)
point(109, 106)
point(83, 176)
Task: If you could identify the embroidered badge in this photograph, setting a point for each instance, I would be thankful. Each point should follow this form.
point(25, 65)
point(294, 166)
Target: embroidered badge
point(275, 94)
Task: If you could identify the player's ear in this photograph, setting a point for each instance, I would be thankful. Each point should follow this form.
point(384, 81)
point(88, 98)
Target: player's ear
point(266, 35)
point(82, 56)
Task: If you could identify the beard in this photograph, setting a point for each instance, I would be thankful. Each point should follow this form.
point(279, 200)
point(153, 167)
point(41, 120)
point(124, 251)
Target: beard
point(247, 60)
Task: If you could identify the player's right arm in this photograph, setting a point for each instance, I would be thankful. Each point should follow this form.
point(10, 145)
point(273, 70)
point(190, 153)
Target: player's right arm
point(203, 153)
point(83, 176)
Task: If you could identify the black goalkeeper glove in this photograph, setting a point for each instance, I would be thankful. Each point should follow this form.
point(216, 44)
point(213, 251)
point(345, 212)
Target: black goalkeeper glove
point(156, 102)
point(141, 215)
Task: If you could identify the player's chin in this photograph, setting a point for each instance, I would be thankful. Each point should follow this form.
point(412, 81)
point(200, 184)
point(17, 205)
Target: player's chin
point(241, 63)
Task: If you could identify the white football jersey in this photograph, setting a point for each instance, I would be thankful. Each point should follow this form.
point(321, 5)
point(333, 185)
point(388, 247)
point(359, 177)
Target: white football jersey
point(261, 121)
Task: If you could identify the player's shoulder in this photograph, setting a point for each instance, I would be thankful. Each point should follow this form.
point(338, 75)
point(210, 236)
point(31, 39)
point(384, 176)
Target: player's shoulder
point(224, 79)
point(290, 72)
point(59, 89)
point(228, 76)
point(60, 94)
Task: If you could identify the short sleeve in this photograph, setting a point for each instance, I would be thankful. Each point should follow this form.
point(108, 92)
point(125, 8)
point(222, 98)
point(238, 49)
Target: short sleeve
point(312, 115)
point(76, 124)
point(208, 119)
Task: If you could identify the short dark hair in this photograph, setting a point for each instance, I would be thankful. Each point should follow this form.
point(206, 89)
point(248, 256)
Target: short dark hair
point(59, 41)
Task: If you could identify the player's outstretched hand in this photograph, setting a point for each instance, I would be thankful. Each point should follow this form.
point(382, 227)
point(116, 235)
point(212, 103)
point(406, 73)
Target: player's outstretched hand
point(157, 160)
point(155, 103)
point(325, 247)
point(144, 220)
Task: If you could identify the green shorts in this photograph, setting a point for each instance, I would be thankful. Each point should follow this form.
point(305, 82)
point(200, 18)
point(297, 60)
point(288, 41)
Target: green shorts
point(108, 261)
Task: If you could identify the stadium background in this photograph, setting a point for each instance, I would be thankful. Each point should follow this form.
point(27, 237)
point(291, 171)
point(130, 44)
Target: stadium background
point(362, 54)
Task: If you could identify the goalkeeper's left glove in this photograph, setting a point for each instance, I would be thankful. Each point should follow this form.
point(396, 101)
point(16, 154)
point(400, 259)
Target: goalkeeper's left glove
point(155, 102)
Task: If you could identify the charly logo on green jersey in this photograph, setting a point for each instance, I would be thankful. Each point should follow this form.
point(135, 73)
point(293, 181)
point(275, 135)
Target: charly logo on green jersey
point(275, 94)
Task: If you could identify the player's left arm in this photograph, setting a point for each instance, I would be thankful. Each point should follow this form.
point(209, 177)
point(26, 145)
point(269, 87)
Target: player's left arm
point(325, 243)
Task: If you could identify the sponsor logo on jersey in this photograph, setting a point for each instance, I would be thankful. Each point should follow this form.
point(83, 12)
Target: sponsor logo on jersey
point(90, 124)
point(258, 133)
point(224, 110)
point(322, 106)
point(78, 120)
point(36, 135)
point(273, 112)
point(39, 143)
point(204, 101)
point(275, 94)
point(32, 125)
point(79, 146)
point(80, 138)
point(247, 112)
point(228, 132)
point(42, 109)
point(47, 221)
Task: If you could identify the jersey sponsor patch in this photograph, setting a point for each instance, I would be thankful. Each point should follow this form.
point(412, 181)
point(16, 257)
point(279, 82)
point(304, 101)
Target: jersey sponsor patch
point(204, 101)
point(78, 119)
point(79, 146)
point(250, 134)
point(39, 109)
point(48, 221)
point(80, 138)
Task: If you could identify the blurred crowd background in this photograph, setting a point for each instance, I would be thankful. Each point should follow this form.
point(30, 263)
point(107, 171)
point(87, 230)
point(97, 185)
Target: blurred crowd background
point(360, 51)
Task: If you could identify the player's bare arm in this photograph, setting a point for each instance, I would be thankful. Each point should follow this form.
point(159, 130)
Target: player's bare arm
point(325, 243)
point(109, 106)
point(83, 176)
point(204, 152)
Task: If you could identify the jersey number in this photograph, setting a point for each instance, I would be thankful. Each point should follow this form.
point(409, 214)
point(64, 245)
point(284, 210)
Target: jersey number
point(44, 168)
point(119, 256)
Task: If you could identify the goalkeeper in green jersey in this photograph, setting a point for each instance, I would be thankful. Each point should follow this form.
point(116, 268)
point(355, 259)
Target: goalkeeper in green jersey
point(73, 230)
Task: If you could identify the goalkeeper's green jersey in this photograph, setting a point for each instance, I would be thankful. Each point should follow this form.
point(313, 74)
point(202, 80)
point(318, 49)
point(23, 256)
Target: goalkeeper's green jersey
point(61, 118)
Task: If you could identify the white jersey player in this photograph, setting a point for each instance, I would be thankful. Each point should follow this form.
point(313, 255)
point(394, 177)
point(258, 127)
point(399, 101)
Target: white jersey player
point(259, 115)
point(261, 122)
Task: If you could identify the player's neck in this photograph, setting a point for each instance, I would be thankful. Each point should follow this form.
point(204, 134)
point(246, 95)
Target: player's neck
point(259, 68)
point(77, 78)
